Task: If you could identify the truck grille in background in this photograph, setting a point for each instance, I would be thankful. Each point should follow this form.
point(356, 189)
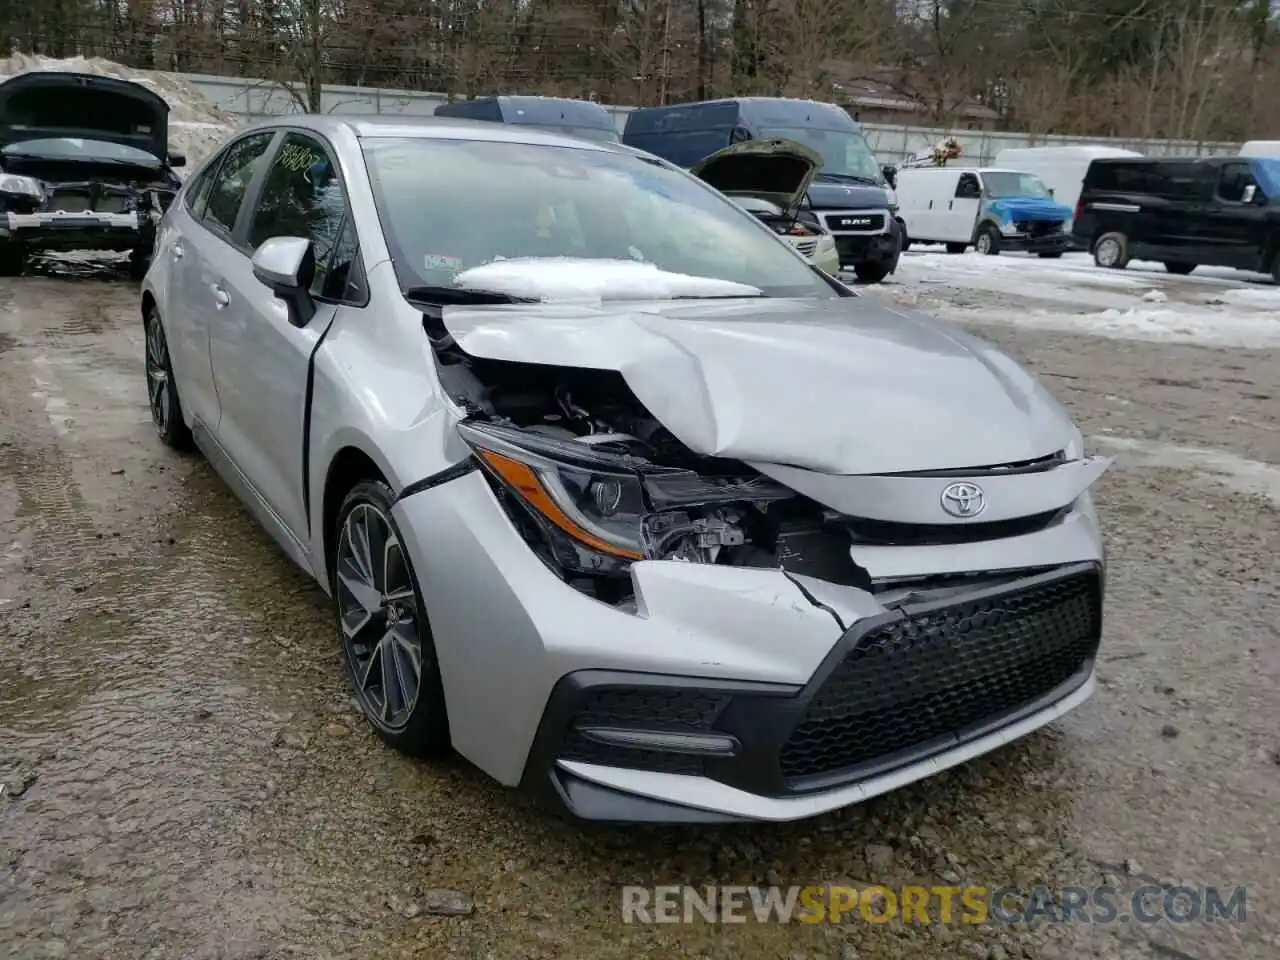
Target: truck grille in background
point(935, 672)
point(1038, 228)
point(856, 222)
point(807, 247)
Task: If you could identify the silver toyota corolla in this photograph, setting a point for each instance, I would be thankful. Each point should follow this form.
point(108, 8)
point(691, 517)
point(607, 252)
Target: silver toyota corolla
point(615, 494)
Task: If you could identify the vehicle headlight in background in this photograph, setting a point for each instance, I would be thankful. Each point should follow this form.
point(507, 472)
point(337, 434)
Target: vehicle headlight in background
point(893, 197)
point(599, 512)
point(22, 186)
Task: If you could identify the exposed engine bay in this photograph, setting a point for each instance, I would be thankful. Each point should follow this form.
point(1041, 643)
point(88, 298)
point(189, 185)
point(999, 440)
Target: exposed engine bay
point(633, 490)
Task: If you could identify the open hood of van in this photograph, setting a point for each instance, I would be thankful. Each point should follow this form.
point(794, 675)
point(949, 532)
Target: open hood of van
point(776, 170)
point(50, 104)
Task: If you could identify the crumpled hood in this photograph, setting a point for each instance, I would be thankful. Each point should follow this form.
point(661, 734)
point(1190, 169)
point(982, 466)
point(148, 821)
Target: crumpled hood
point(840, 386)
point(1009, 209)
point(776, 170)
point(53, 103)
point(847, 196)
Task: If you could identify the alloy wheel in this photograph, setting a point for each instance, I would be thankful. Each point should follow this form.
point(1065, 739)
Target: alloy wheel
point(378, 613)
point(983, 245)
point(159, 386)
point(1107, 252)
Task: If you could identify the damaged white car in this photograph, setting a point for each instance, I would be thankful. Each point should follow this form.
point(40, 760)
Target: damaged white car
point(627, 503)
point(771, 178)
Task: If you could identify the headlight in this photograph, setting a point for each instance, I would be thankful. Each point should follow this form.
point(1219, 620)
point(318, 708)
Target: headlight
point(25, 186)
point(892, 196)
point(598, 512)
point(1008, 228)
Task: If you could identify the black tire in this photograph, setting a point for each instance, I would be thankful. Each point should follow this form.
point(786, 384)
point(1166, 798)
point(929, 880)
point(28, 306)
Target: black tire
point(13, 258)
point(957, 247)
point(162, 388)
point(906, 242)
point(1179, 269)
point(1275, 268)
point(139, 262)
point(422, 729)
point(1051, 255)
point(870, 272)
point(988, 240)
point(1111, 251)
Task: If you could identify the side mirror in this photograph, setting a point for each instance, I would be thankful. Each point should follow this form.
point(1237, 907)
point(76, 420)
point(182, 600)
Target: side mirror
point(1051, 191)
point(286, 266)
point(890, 173)
point(177, 158)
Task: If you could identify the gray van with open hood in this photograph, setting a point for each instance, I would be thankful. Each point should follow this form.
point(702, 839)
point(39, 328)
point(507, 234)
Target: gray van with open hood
point(84, 165)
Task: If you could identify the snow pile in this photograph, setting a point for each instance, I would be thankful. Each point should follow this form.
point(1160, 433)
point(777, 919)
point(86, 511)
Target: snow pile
point(567, 279)
point(1173, 323)
point(196, 126)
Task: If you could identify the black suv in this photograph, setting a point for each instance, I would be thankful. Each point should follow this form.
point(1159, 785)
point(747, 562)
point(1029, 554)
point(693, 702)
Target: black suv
point(1183, 212)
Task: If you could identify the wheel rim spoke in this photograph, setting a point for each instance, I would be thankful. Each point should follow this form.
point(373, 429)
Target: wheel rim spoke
point(378, 614)
point(157, 374)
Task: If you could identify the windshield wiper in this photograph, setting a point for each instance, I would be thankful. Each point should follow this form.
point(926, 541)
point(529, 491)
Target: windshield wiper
point(848, 177)
point(459, 297)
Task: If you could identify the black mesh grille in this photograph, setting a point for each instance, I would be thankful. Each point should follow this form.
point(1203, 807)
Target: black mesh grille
point(658, 708)
point(935, 673)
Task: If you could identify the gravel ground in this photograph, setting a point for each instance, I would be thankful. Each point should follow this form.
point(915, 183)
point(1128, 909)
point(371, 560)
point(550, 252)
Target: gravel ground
point(184, 775)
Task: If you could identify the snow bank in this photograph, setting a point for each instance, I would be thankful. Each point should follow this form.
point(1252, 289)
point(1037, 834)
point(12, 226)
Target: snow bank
point(196, 126)
point(1172, 323)
point(566, 279)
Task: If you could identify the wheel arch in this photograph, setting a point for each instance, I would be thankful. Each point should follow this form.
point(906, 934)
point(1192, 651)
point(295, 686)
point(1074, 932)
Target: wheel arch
point(348, 466)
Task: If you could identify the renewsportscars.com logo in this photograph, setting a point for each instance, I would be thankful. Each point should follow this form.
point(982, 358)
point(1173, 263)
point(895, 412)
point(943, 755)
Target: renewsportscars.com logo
point(972, 904)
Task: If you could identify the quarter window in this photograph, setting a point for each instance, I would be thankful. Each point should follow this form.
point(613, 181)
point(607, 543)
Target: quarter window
point(303, 197)
point(233, 178)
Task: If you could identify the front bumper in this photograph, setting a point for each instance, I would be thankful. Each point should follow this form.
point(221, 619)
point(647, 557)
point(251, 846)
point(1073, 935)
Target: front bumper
point(743, 653)
point(880, 248)
point(1037, 243)
point(901, 696)
point(65, 230)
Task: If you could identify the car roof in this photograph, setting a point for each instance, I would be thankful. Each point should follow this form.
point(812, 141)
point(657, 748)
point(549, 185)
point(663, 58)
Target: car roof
point(367, 127)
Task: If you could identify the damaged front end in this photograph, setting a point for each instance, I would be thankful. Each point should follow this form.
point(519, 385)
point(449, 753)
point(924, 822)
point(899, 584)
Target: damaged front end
point(84, 164)
point(595, 483)
point(791, 639)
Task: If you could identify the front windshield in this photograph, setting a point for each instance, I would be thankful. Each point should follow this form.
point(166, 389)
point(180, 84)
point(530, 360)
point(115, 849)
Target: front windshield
point(1008, 184)
point(844, 152)
point(76, 148)
point(450, 205)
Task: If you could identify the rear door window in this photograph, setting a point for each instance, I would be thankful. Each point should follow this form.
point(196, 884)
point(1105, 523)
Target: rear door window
point(231, 183)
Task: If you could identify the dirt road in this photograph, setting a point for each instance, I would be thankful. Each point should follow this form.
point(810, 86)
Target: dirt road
point(184, 775)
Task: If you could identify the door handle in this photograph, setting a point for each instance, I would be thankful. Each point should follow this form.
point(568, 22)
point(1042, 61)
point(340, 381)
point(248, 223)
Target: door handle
point(177, 250)
point(951, 204)
point(220, 297)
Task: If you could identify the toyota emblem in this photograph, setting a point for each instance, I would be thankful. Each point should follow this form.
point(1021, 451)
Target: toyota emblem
point(963, 499)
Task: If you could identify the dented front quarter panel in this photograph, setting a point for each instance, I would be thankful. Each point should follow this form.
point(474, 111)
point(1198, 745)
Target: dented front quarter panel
point(839, 386)
point(507, 628)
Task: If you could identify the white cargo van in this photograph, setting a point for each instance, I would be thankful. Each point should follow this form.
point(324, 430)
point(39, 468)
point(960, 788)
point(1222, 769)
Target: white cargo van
point(1261, 148)
point(989, 208)
point(1061, 168)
